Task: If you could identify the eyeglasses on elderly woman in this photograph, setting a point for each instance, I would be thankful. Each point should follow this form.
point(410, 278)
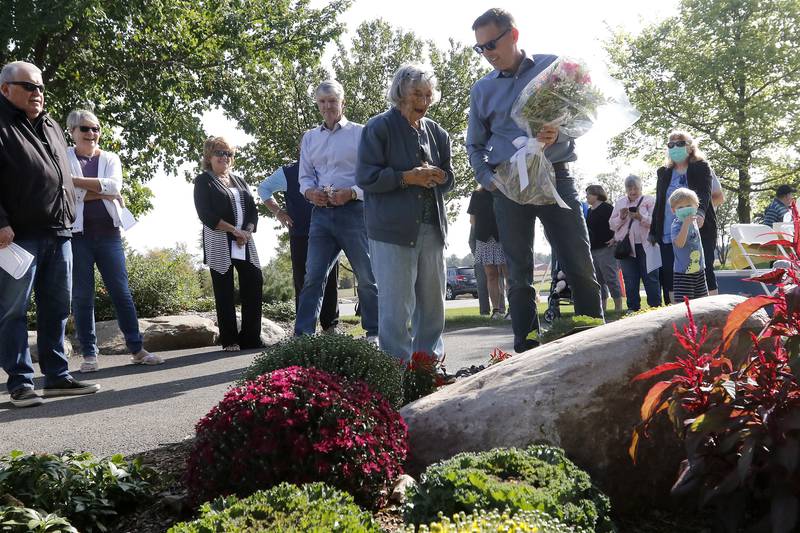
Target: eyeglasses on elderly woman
point(223, 153)
point(679, 144)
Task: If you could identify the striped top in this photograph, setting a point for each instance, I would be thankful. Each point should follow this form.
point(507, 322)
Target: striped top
point(216, 244)
point(774, 212)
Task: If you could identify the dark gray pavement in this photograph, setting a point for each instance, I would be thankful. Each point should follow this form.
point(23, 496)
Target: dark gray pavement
point(140, 408)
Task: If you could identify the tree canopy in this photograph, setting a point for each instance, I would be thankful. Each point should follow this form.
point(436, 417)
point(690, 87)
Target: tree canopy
point(728, 71)
point(151, 68)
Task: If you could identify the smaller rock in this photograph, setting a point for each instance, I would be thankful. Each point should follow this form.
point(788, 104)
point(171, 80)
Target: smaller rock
point(271, 333)
point(176, 503)
point(68, 350)
point(402, 485)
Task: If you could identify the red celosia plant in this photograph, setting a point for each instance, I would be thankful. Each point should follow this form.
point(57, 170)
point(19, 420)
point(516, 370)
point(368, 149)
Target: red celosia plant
point(422, 375)
point(498, 356)
point(740, 422)
point(298, 425)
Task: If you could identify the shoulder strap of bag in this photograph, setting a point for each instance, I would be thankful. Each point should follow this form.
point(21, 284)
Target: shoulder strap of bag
point(637, 208)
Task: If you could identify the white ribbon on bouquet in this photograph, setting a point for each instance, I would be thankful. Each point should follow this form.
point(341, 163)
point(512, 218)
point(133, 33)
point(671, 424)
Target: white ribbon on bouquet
point(530, 146)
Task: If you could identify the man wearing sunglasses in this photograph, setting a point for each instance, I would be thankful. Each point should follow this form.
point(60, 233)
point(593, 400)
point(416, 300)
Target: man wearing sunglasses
point(37, 209)
point(490, 142)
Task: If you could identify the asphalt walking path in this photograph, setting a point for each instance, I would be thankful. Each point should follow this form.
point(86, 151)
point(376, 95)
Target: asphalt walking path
point(143, 407)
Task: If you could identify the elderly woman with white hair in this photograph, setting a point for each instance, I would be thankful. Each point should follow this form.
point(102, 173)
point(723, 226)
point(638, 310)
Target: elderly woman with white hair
point(631, 219)
point(96, 240)
point(404, 168)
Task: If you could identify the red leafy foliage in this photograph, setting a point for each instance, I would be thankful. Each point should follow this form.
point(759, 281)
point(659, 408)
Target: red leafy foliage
point(298, 425)
point(423, 374)
point(740, 423)
point(498, 356)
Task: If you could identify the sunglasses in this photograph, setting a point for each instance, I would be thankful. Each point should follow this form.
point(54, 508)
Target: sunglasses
point(28, 86)
point(489, 45)
point(87, 129)
point(223, 153)
point(673, 144)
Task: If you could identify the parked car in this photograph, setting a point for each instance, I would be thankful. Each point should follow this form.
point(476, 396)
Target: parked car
point(461, 280)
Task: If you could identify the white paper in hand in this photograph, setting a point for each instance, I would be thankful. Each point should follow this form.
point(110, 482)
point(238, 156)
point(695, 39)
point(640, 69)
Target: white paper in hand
point(237, 252)
point(15, 260)
point(653, 253)
point(127, 219)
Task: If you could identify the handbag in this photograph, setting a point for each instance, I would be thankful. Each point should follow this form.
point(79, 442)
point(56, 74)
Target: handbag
point(623, 248)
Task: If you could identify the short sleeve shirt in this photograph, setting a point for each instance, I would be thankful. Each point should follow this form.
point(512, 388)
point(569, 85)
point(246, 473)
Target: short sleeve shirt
point(678, 180)
point(689, 259)
point(481, 205)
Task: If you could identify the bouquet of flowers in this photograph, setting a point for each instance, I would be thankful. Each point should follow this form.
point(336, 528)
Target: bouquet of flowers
point(564, 95)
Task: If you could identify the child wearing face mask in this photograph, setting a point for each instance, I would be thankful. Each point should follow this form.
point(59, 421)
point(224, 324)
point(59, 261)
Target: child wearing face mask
point(688, 278)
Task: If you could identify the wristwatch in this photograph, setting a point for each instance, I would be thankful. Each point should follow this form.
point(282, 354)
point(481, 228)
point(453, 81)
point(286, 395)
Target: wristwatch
point(353, 194)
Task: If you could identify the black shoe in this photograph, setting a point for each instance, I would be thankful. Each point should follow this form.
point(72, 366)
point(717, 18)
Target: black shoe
point(531, 342)
point(25, 397)
point(69, 386)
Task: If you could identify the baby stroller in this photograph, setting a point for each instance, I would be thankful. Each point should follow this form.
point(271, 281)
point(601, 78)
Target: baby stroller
point(560, 294)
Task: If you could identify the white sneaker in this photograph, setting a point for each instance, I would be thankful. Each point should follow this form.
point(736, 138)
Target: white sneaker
point(497, 315)
point(143, 357)
point(89, 365)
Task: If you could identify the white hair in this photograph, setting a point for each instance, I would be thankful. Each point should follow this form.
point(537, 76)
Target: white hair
point(408, 75)
point(633, 180)
point(76, 116)
point(330, 87)
point(10, 70)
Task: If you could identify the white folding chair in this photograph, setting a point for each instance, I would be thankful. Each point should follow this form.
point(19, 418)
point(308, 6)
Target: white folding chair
point(759, 234)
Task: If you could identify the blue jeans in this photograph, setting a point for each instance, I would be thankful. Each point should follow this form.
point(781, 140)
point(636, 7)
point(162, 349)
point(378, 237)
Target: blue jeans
point(412, 283)
point(570, 242)
point(634, 270)
point(50, 276)
point(665, 272)
point(109, 256)
point(332, 231)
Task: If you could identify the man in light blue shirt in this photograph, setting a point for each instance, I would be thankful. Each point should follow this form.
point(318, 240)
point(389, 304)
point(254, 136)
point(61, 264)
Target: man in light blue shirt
point(327, 179)
point(490, 142)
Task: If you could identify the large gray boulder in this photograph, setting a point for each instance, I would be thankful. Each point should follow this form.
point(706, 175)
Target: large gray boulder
point(173, 332)
point(574, 393)
point(35, 351)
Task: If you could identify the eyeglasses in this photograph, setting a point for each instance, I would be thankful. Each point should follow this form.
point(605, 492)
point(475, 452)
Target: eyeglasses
point(28, 86)
point(86, 129)
point(673, 144)
point(489, 45)
point(223, 153)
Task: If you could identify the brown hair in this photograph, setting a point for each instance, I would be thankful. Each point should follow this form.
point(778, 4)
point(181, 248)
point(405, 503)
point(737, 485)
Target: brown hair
point(598, 191)
point(695, 154)
point(210, 146)
point(497, 16)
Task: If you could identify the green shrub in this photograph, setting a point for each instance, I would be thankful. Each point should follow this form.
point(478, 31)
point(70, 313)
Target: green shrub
point(285, 508)
point(278, 284)
point(565, 325)
point(25, 520)
point(494, 522)
point(538, 477)
point(353, 359)
point(89, 492)
point(279, 311)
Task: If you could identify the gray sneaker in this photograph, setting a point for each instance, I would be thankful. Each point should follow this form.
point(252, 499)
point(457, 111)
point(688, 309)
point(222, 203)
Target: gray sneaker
point(25, 397)
point(69, 386)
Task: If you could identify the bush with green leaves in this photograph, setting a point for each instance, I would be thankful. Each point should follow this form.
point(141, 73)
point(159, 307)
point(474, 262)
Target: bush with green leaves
point(25, 520)
point(278, 311)
point(352, 359)
point(89, 492)
point(535, 478)
point(285, 508)
point(496, 522)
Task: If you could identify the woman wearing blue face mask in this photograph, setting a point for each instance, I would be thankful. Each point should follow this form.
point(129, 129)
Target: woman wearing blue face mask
point(685, 166)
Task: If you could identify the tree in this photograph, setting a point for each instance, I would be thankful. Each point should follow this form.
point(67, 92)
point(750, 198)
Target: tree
point(151, 68)
point(727, 70)
point(286, 109)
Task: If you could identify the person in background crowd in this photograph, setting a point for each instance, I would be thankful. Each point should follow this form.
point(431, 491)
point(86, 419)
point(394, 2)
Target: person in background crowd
point(297, 218)
point(490, 137)
point(635, 210)
point(685, 166)
point(37, 210)
point(328, 157)
point(775, 211)
point(488, 251)
point(97, 178)
point(601, 241)
point(228, 212)
point(480, 277)
point(689, 277)
point(405, 169)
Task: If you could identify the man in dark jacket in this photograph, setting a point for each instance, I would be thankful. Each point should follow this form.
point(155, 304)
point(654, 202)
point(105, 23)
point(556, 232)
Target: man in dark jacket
point(37, 208)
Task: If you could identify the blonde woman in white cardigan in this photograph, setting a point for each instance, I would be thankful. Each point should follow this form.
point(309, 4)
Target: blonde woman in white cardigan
point(97, 177)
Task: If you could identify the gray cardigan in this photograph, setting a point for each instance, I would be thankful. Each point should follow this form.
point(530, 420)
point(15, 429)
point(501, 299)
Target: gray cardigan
point(389, 146)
